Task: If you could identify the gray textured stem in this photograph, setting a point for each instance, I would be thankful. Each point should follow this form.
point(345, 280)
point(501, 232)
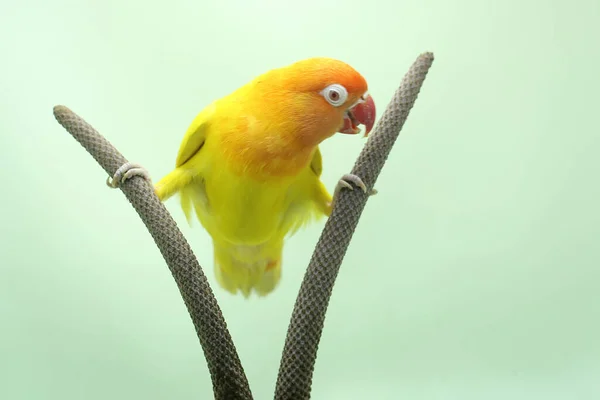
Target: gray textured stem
point(229, 380)
point(300, 351)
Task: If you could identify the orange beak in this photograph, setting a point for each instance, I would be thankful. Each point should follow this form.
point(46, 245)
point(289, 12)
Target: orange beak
point(362, 113)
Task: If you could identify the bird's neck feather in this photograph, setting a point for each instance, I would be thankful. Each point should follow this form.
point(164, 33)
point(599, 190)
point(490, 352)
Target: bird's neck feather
point(269, 154)
point(280, 138)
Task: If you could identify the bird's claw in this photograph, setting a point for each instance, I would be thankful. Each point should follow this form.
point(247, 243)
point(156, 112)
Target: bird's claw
point(125, 172)
point(347, 179)
point(346, 183)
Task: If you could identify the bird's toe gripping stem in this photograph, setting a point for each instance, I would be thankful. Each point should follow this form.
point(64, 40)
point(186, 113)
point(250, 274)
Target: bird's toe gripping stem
point(125, 172)
point(346, 183)
point(347, 179)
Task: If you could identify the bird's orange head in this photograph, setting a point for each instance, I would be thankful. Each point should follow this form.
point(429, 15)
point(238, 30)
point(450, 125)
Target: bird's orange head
point(321, 96)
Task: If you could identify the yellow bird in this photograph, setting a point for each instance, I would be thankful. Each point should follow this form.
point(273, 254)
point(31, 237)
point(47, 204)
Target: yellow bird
point(249, 165)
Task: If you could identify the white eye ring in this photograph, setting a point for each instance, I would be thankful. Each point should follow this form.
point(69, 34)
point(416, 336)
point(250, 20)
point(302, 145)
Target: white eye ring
point(335, 94)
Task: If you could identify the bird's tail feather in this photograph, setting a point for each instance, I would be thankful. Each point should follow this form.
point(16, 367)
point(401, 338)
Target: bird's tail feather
point(248, 268)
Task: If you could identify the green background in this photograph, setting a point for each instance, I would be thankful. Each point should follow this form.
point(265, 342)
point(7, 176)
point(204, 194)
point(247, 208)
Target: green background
point(473, 274)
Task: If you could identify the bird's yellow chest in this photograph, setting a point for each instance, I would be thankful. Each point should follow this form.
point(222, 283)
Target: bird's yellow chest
point(245, 203)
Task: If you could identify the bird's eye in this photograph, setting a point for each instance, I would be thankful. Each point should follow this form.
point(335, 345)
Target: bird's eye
point(335, 94)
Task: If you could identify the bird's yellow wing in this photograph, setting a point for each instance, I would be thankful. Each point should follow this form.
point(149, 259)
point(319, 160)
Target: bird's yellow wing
point(321, 195)
point(308, 198)
point(195, 136)
point(316, 164)
point(188, 163)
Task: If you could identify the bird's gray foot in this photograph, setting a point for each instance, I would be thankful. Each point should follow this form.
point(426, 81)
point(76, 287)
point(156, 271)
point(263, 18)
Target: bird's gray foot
point(125, 172)
point(346, 183)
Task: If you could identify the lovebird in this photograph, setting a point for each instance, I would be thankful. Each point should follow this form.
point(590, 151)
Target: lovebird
point(249, 165)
